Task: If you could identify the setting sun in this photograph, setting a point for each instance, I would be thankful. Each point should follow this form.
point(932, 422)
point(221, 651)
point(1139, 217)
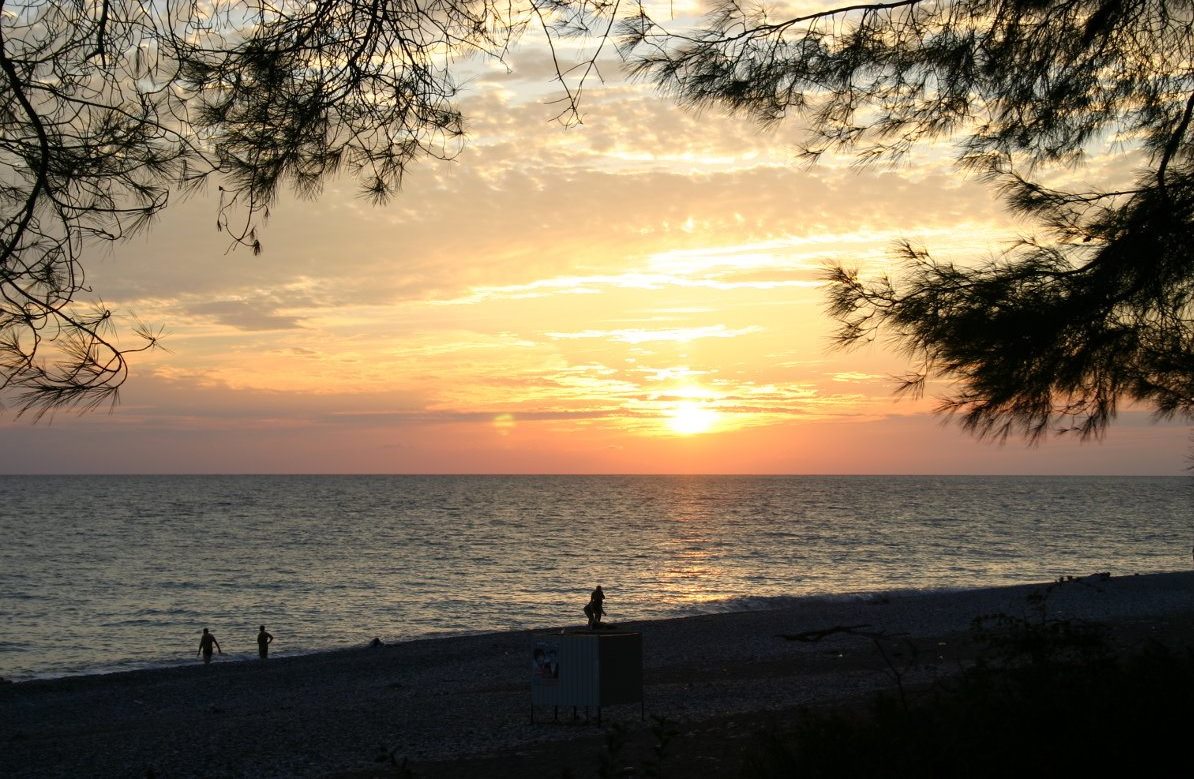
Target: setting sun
point(690, 418)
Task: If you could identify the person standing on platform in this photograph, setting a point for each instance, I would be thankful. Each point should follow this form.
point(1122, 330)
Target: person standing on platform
point(595, 609)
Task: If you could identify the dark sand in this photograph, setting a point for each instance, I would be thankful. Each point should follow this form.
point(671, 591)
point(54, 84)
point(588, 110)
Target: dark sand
point(461, 706)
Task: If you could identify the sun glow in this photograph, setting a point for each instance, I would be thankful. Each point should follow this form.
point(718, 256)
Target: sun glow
point(689, 418)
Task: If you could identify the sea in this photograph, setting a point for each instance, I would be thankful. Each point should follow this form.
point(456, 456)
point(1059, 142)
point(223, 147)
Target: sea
point(109, 573)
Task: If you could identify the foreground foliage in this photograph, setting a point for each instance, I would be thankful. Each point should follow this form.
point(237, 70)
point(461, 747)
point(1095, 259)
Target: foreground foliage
point(110, 108)
point(1097, 308)
point(1048, 697)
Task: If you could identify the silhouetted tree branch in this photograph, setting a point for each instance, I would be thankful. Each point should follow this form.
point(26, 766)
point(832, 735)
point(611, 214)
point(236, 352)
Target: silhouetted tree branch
point(1061, 329)
point(108, 108)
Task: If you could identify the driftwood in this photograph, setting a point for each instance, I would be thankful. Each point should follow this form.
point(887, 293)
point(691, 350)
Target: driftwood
point(817, 635)
point(876, 637)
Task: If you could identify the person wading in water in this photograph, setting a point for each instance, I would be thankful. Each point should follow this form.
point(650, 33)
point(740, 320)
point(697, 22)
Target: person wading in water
point(206, 642)
point(264, 639)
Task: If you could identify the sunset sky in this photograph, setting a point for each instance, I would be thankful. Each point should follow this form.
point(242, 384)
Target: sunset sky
point(639, 294)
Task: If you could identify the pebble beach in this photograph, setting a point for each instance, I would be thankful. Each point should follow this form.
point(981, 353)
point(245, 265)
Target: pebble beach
point(436, 704)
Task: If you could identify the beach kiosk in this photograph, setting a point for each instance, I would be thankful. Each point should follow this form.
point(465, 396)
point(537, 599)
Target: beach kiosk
point(586, 668)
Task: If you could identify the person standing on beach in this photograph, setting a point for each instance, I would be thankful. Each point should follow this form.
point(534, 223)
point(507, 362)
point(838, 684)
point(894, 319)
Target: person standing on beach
point(206, 642)
point(595, 609)
point(264, 639)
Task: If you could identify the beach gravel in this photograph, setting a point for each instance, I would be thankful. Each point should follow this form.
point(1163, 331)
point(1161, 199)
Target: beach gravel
point(458, 701)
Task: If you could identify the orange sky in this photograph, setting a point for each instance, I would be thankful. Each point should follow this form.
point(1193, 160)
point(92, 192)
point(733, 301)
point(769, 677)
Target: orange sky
point(637, 294)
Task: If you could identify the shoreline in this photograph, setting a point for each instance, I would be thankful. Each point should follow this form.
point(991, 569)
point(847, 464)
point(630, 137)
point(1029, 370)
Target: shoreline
point(464, 698)
point(766, 603)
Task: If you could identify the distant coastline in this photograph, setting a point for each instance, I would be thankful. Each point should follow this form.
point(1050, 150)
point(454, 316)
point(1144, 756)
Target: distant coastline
point(611, 475)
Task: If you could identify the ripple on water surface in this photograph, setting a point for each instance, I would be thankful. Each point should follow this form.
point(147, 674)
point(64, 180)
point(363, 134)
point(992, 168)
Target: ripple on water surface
point(335, 561)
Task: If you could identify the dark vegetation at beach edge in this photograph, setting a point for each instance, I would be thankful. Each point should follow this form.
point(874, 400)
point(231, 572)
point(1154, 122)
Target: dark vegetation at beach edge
point(1041, 696)
point(1047, 699)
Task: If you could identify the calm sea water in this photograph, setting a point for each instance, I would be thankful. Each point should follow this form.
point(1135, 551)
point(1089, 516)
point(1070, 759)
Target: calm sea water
point(109, 573)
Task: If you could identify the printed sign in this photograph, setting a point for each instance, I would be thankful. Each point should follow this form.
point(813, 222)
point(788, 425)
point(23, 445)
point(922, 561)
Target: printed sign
point(545, 663)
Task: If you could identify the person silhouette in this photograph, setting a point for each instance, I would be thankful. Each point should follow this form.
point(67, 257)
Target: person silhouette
point(595, 609)
point(206, 642)
point(264, 639)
